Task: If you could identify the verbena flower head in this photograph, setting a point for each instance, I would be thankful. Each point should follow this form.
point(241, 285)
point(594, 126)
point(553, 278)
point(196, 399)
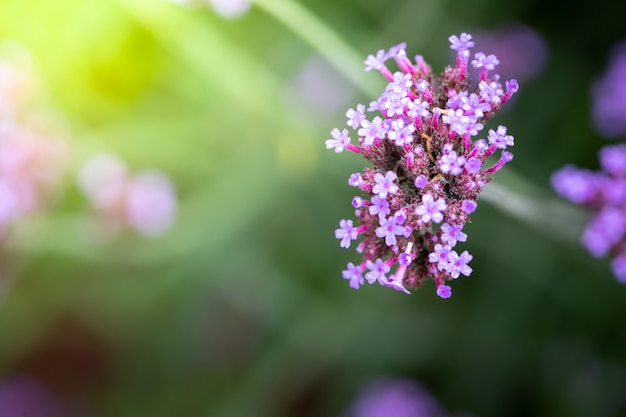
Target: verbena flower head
point(429, 165)
point(604, 193)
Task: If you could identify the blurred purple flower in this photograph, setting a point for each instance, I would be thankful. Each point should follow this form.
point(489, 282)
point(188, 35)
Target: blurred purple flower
point(25, 396)
point(522, 52)
point(604, 192)
point(608, 95)
point(151, 203)
point(388, 397)
point(318, 86)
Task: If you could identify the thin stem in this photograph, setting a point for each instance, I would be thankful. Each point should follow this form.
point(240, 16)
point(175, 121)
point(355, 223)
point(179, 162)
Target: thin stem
point(225, 64)
point(323, 39)
point(549, 215)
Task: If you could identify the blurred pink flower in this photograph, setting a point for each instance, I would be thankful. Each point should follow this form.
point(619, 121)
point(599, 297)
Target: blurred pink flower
point(151, 203)
point(103, 179)
point(145, 202)
point(395, 397)
point(31, 167)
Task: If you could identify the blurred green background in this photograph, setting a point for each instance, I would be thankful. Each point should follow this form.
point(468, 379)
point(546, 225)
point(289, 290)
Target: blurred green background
point(241, 309)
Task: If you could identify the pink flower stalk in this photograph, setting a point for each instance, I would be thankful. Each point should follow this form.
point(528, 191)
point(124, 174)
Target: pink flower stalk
point(428, 168)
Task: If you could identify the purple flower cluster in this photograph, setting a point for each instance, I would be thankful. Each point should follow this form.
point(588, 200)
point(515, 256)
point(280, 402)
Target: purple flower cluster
point(428, 168)
point(604, 192)
point(609, 96)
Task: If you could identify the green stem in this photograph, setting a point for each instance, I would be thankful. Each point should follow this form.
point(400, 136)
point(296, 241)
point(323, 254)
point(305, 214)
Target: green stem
point(226, 65)
point(549, 215)
point(323, 39)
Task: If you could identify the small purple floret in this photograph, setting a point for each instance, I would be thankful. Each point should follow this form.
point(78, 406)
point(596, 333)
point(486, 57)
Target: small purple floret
point(340, 140)
point(355, 117)
point(461, 43)
point(353, 274)
point(378, 271)
point(346, 232)
point(444, 291)
point(385, 184)
point(431, 209)
point(389, 228)
point(452, 233)
point(468, 206)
